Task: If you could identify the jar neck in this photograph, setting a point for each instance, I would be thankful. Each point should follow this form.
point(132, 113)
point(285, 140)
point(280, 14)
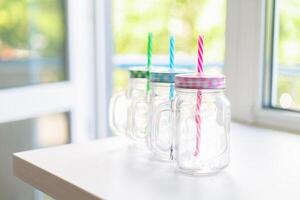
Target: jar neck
point(137, 83)
point(160, 89)
point(190, 95)
point(161, 85)
point(186, 91)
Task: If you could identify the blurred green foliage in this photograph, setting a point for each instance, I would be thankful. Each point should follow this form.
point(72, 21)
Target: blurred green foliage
point(14, 23)
point(33, 24)
point(289, 32)
point(184, 19)
point(32, 42)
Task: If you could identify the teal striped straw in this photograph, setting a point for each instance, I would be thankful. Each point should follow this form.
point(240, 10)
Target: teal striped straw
point(171, 66)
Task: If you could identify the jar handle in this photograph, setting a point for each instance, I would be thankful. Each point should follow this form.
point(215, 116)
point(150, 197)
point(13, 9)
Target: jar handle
point(161, 108)
point(116, 128)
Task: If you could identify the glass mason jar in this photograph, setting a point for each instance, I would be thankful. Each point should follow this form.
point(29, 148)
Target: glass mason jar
point(201, 124)
point(128, 115)
point(160, 129)
point(162, 91)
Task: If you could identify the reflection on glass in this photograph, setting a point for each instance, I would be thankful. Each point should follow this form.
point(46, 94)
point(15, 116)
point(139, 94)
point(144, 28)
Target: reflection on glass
point(287, 60)
point(26, 135)
point(133, 19)
point(32, 42)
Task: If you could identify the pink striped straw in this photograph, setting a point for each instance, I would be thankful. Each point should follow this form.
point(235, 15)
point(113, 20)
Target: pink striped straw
point(200, 54)
point(199, 96)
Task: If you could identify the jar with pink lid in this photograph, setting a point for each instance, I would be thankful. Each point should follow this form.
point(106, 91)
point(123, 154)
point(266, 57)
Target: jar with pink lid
point(201, 124)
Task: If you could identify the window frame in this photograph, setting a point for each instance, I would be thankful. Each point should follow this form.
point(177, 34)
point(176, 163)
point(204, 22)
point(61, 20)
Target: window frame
point(103, 59)
point(76, 95)
point(246, 67)
point(71, 95)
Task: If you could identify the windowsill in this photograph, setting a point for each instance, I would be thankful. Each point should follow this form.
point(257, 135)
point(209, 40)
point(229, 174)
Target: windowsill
point(182, 61)
point(264, 165)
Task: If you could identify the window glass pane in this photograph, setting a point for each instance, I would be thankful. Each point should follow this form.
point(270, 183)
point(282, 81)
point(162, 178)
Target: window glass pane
point(286, 66)
point(24, 135)
point(133, 19)
point(32, 42)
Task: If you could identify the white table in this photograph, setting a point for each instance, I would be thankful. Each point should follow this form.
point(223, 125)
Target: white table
point(265, 164)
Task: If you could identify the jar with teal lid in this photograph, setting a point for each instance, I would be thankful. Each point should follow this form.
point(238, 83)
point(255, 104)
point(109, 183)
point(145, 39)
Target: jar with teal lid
point(161, 92)
point(128, 114)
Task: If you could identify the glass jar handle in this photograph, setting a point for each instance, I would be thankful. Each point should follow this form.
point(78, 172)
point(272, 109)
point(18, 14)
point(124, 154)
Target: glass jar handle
point(116, 128)
point(135, 104)
point(161, 108)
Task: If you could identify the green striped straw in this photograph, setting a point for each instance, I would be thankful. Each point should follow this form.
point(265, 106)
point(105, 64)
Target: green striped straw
point(171, 65)
point(149, 56)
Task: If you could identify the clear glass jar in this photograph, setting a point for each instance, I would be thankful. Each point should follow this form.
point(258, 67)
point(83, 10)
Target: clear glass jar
point(201, 140)
point(159, 137)
point(129, 108)
point(160, 126)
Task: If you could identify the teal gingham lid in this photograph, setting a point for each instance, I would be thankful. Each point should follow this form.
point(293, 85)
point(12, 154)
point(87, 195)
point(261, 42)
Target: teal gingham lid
point(138, 72)
point(164, 75)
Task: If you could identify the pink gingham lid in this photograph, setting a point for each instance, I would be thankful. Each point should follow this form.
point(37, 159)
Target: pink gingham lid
point(196, 81)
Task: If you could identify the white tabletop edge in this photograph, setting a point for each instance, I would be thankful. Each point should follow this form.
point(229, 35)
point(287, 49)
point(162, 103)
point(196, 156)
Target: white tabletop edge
point(47, 182)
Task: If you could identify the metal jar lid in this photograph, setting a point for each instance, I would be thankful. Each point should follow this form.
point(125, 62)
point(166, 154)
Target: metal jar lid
point(138, 72)
point(165, 75)
point(196, 81)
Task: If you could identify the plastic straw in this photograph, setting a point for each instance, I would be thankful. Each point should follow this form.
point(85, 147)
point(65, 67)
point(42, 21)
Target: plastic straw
point(199, 96)
point(171, 66)
point(200, 55)
point(149, 59)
